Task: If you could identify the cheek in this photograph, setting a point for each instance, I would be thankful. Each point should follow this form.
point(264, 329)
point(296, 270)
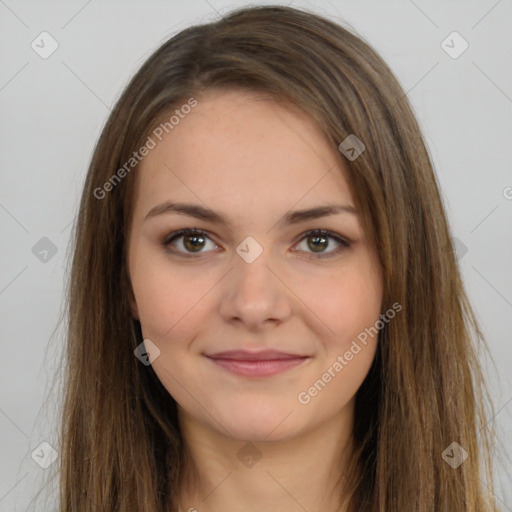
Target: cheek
point(169, 302)
point(346, 304)
point(153, 290)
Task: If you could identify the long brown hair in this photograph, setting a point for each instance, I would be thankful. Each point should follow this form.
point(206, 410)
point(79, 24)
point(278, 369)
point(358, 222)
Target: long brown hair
point(120, 446)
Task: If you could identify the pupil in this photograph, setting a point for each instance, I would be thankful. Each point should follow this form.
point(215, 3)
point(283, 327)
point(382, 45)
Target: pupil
point(316, 242)
point(194, 244)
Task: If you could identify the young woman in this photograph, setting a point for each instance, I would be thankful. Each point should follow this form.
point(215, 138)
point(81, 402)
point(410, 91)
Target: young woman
point(265, 309)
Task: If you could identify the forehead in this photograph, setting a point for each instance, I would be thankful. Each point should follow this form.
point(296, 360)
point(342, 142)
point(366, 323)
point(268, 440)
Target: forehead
point(243, 148)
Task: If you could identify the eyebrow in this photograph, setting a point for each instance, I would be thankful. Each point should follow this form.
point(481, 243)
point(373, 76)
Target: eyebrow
point(206, 214)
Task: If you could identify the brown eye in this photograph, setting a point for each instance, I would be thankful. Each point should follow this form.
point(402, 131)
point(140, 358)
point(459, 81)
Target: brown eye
point(318, 241)
point(192, 241)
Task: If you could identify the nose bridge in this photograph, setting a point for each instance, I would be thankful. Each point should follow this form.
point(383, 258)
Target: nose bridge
point(254, 293)
point(251, 273)
point(252, 270)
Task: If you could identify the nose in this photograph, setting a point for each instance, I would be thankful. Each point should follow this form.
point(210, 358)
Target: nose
point(256, 294)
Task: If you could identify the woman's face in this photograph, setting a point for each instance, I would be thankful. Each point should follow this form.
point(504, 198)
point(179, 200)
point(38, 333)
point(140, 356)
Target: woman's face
point(253, 281)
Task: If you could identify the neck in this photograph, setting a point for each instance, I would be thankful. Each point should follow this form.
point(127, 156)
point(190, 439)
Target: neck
point(305, 472)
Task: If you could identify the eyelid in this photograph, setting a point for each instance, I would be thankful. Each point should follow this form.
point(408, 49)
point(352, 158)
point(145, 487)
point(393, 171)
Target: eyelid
point(175, 235)
point(344, 242)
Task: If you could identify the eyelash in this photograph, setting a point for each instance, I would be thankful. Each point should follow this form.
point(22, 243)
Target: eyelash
point(315, 232)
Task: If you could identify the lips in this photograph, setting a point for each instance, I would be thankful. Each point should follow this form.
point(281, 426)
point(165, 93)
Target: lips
point(246, 355)
point(263, 363)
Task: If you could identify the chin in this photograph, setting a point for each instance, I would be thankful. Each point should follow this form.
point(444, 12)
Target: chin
point(263, 432)
point(260, 424)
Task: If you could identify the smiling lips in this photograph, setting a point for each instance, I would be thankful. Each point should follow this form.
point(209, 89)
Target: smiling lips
point(256, 364)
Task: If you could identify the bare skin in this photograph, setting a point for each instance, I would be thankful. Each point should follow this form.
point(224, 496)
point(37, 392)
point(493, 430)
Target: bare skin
point(250, 442)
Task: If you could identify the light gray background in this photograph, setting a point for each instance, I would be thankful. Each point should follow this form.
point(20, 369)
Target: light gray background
point(53, 110)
